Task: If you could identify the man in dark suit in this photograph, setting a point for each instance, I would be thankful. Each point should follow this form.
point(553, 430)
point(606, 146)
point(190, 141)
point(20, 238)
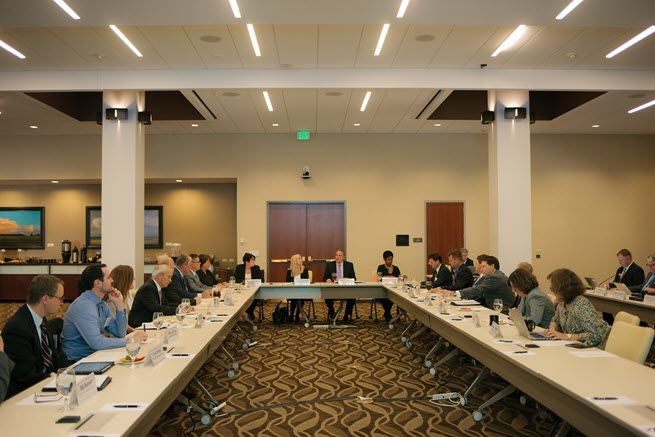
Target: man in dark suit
point(648, 286)
point(28, 343)
point(178, 288)
point(494, 286)
point(149, 298)
point(335, 270)
point(465, 257)
point(462, 275)
point(628, 272)
point(441, 275)
point(6, 366)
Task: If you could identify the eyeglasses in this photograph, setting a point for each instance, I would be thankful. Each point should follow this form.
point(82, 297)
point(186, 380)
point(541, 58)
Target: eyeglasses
point(61, 299)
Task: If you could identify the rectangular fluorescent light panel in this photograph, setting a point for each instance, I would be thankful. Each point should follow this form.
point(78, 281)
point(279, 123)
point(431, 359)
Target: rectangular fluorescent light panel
point(253, 39)
point(127, 42)
point(11, 50)
point(632, 42)
point(62, 4)
point(403, 8)
point(383, 35)
point(269, 105)
point(644, 106)
point(235, 8)
point(511, 39)
point(567, 10)
point(365, 101)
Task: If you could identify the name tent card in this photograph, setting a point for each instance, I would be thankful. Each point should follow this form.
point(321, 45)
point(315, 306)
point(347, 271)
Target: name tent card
point(301, 281)
point(172, 333)
point(600, 291)
point(495, 331)
point(85, 388)
point(253, 283)
point(390, 281)
point(649, 299)
point(156, 355)
point(346, 281)
point(476, 320)
point(618, 294)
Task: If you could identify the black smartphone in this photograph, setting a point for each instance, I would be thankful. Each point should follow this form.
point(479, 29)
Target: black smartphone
point(69, 419)
point(577, 345)
point(531, 346)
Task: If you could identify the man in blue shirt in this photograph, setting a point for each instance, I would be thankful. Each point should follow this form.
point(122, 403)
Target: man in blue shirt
point(89, 325)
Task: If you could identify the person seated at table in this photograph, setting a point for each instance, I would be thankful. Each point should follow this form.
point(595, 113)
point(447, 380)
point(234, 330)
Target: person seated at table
point(88, 324)
point(249, 270)
point(164, 259)
point(628, 273)
point(123, 277)
point(648, 287)
point(192, 279)
point(296, 271)
point(441, 274)
point(178, 288)
point(478, 269)
point(525, 266)
point(6, 367)
point(204, 273)
point(534, 305)
point(28, 341)
point(335, 270)
point(468, 262)
point(494, 286)
point(149, 298)
point(387, 269)
point(575, 317)
point(462, 275)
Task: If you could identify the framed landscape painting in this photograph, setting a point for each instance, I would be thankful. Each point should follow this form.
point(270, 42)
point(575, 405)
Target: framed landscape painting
point(153, 223)
point(22, 228)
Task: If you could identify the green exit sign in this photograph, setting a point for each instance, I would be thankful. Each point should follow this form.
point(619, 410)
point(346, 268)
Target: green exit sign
point(302, 135)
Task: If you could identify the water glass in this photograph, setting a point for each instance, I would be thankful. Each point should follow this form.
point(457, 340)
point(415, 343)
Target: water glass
point(65, 385)
point(179, 314)
point(133, 346)
point(498, 305)
point(158, 320)
point(232, 281)
point(186, 304)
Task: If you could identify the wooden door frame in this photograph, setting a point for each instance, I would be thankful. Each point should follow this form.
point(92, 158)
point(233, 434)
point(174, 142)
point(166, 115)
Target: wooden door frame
point(425, 227)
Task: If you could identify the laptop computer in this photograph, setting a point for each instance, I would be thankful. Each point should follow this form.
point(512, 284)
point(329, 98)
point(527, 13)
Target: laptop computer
point(591, 282)
point(522, 328)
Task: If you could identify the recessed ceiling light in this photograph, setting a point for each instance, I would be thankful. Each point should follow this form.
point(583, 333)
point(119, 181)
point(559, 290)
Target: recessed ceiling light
point(54, 182)
point(367, 96)
point(62, 4)
point(253, 39)
point(194, 124)
point(356, 124)
point(276, 124)
point(402, 8)
point(511, 40)
point(567, 10)
point(230, 94)
point(424, 37)
point(235, 8)
point(595, 125)
point(127, 42)
point(644, 106)
point(34, 126)
point(334, 93)
point(210, 38)
point(383, 35)
point(11, 50)
point(631, 42)
point(178, 180)
point(437, 125)
point(267, 99)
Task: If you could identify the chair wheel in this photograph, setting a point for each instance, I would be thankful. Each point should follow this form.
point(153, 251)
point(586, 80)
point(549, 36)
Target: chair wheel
point(230, 373)
point(390, 325)
point(523, 400)
point(245, 346)
point(463, 401)
point(428, 363)
point(543, 414)
point(403, 339)
point(408, 345)
point(235, 365)
point(447, 345)
point(433, 371)
point(206, 419)
point(254, 328)
point(477, 416)
point(306, 324)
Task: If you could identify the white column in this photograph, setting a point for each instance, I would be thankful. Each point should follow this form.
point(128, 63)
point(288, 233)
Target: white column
point(510, 212)
point(123, 162)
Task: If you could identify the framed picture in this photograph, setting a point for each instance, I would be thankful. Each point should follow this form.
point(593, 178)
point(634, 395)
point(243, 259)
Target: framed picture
point(153, 223)
point(22, 227)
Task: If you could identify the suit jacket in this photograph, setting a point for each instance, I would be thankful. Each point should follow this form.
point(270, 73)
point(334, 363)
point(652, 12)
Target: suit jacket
point(6, 367)
point(331, 267)
point(178, 290)
point(207, 278)
point(538, 307)
point(637, 289)
point(240, 273)
point(146, 302)
point(303, 275)
point(633, 277)
point(494, 286)
point(23, 346)
point(469, 262)
point(462, 278)
point(194, 283)
point(443, 278)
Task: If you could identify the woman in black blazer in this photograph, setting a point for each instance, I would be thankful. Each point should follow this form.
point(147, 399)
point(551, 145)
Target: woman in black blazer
point(387, 269)
point(249, 270)
point(204, 274)
point(296, 270)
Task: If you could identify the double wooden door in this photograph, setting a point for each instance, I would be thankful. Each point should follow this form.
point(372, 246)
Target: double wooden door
point(314, 230)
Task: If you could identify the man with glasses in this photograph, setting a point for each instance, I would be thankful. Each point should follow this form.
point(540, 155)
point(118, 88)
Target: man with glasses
point(28, 341)
point(648, 286)
point(193, 280)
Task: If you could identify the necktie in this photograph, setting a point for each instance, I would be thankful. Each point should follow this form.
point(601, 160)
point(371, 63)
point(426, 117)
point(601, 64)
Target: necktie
point(46, 353)
point(625, 269)
point(649, 283)
point(340, 271)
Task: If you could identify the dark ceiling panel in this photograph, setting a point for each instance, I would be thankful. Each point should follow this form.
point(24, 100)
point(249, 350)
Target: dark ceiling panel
point(84, 106)
point(461, 105)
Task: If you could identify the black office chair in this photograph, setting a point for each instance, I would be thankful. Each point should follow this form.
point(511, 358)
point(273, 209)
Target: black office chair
point(54, 327)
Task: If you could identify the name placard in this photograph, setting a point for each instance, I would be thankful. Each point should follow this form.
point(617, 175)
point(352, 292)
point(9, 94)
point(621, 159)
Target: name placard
point(390, 281)
point(618, 294)
point(495, 330)
point(600, 291)
point(649, 299)
point(252, 283)
point(172, 333)
point(85, 388)
point(346, 281)
point(301, 281)
point(156, 355)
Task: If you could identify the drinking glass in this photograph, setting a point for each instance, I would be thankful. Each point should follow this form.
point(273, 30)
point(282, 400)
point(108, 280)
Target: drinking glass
point(428, 285)
point(186, 304)
point(65, 384)
point(133, 346)
point(180, 313)
point(232, 281)
point(334, 277)
point(158, 321)
point(379, 276)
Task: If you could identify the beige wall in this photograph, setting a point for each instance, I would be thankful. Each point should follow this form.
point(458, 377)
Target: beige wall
point(200, 216)
point(588, 192)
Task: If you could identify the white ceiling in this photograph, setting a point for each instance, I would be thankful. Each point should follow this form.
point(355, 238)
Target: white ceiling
point(319, 35)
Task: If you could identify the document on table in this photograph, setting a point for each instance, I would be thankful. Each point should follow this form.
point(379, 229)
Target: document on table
point(592, 354)
point(106, 355)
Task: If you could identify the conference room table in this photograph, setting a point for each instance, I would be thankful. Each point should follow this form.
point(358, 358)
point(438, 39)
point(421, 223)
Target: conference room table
point(612, 305)
point(563, 379)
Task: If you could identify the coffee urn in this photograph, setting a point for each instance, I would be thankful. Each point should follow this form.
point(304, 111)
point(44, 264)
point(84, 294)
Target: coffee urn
point(66, 251)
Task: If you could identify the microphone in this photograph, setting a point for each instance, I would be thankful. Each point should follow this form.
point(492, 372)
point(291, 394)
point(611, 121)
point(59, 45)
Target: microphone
point(605, 280)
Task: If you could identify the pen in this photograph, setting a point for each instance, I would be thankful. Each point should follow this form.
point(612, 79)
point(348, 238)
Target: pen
point(169, 351)
point(84, 421)
point(126, 406)
point(505, 341)
point(520, 352)
point(179, 355)
point(604, 398)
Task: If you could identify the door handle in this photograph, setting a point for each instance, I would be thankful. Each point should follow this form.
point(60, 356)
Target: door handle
point(317, 259)
point(279, 261)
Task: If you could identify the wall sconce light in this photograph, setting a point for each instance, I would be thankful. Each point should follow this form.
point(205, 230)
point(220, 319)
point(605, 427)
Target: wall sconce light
point(145, 117)
point(116, 113)
point(515, 113)
point(487, 117)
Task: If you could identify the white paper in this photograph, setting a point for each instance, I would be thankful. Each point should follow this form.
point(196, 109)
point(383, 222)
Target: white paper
point(106, 355)
point(172, 333)
point(611, 400)
point(301, 281)
point(553, 343)
point(519, 353)
point(52, 384)
point(346, 281)
point(600, 291)
point(495, 330)
point(649, 299)
point(466, 302)
point(593, 354)
point(138, 406)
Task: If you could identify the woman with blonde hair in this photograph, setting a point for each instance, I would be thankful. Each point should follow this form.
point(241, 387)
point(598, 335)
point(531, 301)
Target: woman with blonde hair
point(296, 271)
point(123, 276)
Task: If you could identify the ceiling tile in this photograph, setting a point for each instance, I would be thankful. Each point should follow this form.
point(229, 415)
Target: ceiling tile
point(266, 40)
point(338, 44)
point(461, 44)
point(415, 53)
point(331, 109)
point(297, 45)
point(172, 45)
point(220, 54)
point(366, 54)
